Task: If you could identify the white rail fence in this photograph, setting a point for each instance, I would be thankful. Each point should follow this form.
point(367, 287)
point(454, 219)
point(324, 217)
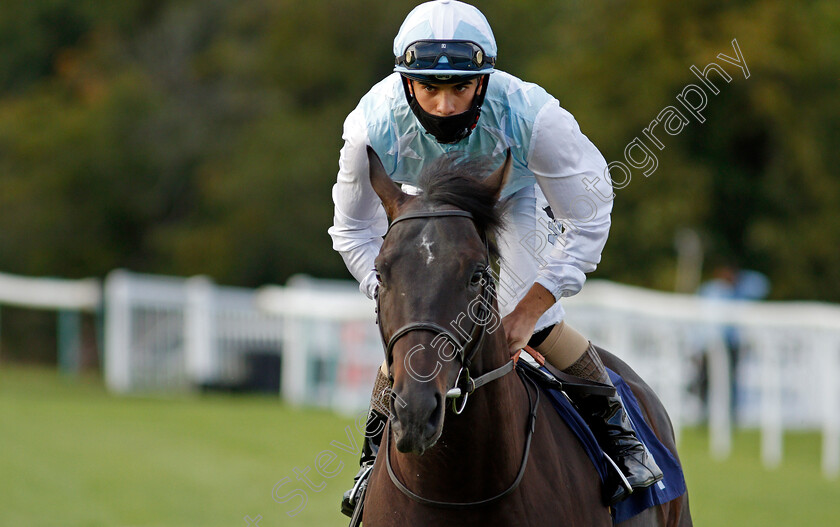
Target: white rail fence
point(69, 298)
point(168, 334)
point(171, 334)
point(786, 376)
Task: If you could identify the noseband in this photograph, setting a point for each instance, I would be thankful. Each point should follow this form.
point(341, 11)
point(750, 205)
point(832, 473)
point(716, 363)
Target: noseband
point(464, 383)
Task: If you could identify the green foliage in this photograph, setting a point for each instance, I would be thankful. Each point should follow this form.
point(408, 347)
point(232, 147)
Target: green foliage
point(185, 137)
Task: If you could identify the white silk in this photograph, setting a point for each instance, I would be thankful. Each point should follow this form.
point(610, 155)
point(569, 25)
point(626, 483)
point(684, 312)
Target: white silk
point(570, 172)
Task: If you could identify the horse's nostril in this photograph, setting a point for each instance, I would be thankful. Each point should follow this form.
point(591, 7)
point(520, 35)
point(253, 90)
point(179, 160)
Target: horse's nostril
point(434, 418)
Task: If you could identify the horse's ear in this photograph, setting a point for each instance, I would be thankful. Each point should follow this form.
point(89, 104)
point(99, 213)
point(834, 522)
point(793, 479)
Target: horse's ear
point(496, 181)
point(389, 192)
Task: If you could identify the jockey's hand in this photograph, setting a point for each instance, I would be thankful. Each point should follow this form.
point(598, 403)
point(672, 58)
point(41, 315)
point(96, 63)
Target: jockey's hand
point(519, 324)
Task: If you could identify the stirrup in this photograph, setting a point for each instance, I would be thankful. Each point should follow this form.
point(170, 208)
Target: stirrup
point(351, 498)
point(359, 483)
point(359, 506)
point(613, 497)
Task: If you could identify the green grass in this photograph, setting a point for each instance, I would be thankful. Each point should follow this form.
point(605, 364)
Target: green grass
point(73, 455)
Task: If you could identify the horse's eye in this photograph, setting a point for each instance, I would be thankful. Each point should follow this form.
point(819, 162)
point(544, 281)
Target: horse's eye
point(378, 276)
point(477, 278)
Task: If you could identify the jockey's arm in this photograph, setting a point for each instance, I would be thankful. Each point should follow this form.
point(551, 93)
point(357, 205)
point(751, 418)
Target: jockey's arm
point(359, 221)
point(572, 174)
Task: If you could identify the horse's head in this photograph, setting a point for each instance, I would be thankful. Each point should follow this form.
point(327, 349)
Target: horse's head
point(433, 293)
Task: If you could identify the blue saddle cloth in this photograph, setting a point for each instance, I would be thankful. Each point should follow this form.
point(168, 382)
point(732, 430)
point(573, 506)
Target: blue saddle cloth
point(672, 484)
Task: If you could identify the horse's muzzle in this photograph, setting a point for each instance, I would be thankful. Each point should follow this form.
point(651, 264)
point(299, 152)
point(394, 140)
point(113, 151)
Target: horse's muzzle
point(418, 421)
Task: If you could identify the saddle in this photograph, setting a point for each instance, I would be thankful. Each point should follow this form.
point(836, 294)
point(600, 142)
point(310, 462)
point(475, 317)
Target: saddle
point(548, 377)
point(556, 384)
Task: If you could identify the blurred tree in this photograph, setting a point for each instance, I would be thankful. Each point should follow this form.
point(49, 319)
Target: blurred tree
point(184, 136)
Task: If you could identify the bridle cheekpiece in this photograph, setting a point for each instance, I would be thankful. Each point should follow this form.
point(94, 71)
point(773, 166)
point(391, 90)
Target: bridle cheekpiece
point(465, 384)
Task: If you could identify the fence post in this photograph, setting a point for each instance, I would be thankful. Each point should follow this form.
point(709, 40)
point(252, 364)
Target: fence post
point(771, 399)
point(830, 354)
point(719, 397)
point(118, 331)
point(200, 335)
point(294, 356)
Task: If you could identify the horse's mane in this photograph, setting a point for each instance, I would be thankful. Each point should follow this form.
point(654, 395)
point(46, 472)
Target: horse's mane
point(458, 180)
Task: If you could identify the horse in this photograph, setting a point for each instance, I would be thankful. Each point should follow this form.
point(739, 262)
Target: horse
point(502, 458)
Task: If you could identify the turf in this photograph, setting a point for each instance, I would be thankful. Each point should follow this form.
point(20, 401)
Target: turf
point(73, 455)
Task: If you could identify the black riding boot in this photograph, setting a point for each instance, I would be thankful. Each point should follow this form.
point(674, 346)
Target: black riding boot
point(370, 447)
point(380, 401)
point(611, 425)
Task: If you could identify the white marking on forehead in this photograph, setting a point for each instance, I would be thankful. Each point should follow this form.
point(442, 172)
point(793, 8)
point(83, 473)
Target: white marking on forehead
point(427, 245)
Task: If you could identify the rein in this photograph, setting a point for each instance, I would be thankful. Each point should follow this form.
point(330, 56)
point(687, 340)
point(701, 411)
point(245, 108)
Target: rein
point(463, 388)
point(533, 404)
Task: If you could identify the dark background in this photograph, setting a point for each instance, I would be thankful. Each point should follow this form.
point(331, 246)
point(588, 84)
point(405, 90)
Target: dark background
point(202, 137)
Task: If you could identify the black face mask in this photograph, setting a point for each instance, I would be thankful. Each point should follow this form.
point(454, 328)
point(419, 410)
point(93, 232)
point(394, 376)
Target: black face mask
point(452, 128)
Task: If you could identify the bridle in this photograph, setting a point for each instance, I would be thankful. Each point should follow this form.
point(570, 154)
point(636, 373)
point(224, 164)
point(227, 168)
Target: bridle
point(466, 384)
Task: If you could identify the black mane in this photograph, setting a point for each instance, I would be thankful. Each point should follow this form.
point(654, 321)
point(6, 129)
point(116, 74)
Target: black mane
point(458, 180)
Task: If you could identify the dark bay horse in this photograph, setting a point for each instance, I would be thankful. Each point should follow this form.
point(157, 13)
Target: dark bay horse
point(504, 459)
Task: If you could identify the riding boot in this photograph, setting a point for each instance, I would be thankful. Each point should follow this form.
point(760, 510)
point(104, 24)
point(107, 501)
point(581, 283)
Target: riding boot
point(370, 444)
point(611, 425)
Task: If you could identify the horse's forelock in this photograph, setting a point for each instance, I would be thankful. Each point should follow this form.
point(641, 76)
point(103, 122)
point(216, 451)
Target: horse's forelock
point(458, 180)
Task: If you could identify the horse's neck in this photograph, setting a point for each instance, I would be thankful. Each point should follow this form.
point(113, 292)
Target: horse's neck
point(486, 439)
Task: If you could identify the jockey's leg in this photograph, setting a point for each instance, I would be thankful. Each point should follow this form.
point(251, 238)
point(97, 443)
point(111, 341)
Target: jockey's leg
point(569, 351)
point(377, 417)
point(561, 345)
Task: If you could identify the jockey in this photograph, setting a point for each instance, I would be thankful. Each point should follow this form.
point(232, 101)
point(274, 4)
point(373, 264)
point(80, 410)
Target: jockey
point(446, 96)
